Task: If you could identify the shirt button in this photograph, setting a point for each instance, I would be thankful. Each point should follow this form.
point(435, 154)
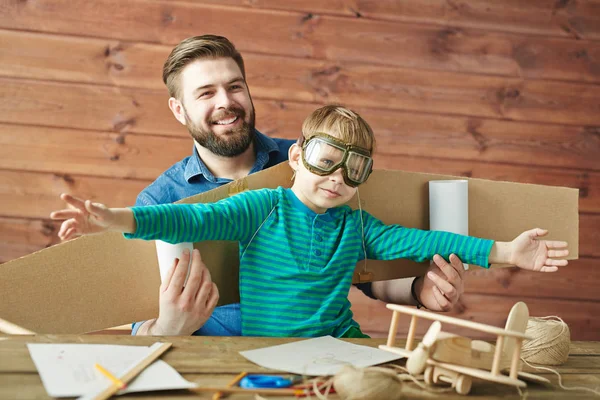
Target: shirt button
point(317, 253)
point(317, 224)
point(318, 238)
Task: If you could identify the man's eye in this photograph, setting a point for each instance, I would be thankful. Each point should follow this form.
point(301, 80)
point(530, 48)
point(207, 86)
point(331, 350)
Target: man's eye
point(204, 94)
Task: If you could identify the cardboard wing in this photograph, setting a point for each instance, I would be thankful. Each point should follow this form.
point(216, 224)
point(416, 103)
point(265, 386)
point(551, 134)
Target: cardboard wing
point(101, 281)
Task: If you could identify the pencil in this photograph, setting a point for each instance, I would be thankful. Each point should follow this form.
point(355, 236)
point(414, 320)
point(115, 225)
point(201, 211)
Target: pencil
point(261, 391)
point(231, 384)
point(120, 384)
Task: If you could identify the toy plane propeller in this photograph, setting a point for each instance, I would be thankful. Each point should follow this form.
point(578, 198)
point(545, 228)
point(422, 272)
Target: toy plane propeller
point(417, 361)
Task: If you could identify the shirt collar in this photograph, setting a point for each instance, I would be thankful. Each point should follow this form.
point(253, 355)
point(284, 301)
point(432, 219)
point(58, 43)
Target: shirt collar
point(263, 146)
point(300, 206)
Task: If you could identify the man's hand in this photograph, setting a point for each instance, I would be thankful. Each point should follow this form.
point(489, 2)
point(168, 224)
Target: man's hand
point(183, 310)
point(441, 287)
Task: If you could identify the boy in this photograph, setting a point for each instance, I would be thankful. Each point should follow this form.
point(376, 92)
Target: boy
point(299, 246)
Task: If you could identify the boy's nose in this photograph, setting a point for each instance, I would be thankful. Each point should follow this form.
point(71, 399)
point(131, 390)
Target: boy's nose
point(337, 176)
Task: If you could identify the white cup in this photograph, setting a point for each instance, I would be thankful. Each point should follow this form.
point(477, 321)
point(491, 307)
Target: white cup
point(167, 253)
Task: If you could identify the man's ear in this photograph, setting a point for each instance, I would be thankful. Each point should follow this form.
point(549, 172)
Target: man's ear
point(177, 110)
point(294, 154)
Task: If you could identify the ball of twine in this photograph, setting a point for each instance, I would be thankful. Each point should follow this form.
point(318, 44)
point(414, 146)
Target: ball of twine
point(367, 383)
point(550, 343)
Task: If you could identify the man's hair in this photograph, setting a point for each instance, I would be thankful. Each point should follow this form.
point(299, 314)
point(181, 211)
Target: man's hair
point(197, 48)
point(341, 122)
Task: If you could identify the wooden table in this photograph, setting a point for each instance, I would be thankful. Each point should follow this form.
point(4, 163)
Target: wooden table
point(215, 361)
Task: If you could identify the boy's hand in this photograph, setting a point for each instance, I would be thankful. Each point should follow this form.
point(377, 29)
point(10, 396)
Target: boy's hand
point(537, 255)
point(82, 217)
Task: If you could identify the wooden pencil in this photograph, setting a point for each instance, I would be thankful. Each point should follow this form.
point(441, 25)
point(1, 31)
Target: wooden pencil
point(231, 384)
point(261, 391)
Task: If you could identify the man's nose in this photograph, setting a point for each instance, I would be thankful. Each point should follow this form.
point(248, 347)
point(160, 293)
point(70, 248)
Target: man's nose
point(223, 99)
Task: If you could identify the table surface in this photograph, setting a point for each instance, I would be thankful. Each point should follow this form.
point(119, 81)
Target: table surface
point(214, 361)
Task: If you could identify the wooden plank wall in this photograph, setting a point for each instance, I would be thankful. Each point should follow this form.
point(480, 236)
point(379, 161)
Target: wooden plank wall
point(502, 90)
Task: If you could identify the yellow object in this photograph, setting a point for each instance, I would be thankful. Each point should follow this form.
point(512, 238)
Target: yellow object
point(234, 382)
point(110, 376)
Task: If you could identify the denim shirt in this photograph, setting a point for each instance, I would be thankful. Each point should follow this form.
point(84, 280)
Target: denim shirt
point(191, 176)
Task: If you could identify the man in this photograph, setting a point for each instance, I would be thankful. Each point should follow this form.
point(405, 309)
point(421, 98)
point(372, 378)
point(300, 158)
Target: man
point(205, 76)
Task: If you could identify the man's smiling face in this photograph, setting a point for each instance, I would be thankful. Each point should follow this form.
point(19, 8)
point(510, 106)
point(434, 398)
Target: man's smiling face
point(217, 106)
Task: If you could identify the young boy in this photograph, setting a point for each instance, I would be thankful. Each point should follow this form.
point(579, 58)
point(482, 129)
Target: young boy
point(299, 246)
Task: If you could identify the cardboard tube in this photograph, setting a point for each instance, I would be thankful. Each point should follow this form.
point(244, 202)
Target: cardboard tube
point(449, 206)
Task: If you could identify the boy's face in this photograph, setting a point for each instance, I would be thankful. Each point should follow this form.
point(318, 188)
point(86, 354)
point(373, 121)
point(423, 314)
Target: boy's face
point(215, 106)
point(319, 193)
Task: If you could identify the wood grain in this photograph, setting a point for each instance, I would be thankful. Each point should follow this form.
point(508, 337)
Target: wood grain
point(215, 361)
point(50, 103)
point(35, 195)
point(536, 17)
point(309, 35)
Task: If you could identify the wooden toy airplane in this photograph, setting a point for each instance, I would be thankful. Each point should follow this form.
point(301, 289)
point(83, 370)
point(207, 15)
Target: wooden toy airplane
point(446, 357)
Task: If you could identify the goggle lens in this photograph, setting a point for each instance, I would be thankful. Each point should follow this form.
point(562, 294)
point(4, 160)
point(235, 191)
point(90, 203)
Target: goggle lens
point(325, 158)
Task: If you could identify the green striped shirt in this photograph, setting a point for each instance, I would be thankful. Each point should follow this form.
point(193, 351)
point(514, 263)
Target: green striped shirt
point(296, 266)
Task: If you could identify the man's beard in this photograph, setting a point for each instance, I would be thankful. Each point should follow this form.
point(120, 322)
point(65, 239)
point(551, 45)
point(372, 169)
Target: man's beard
point(236, 141)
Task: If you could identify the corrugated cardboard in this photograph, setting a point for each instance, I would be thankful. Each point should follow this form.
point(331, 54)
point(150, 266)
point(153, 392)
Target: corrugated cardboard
point(100, 281)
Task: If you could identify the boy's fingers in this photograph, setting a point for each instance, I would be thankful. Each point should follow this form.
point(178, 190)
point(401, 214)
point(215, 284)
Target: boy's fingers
point(65, 227)
point(537, 232)
point(556, 244)
point(73, 201)
point(558, 263)
point(558, 253)
point(64, 214)
point(547, 268)
point(96, 209)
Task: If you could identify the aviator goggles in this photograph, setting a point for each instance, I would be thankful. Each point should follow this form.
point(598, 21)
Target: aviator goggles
point(323, 154)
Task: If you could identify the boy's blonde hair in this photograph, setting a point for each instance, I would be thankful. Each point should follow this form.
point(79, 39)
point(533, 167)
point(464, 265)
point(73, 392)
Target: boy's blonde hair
point(197, 48)
point(342, 123)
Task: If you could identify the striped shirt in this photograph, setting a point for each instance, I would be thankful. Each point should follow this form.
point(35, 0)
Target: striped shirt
point(296, 266)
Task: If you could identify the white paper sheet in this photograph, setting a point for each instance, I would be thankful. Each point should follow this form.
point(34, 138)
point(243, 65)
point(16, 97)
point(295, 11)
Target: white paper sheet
point(449, 207)
point(67, 370)
point(168, 252)
point(319, 356)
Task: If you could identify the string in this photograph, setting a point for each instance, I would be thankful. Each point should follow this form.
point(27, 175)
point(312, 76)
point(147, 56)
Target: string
point(595, 391)
point(362, 227)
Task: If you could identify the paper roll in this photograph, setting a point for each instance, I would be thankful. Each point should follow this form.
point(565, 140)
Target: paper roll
point(449, 206)
point(167, 253)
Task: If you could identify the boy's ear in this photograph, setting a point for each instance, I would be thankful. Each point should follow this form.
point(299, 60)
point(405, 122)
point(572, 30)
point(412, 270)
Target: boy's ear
point(177, 110)
point(294, 154)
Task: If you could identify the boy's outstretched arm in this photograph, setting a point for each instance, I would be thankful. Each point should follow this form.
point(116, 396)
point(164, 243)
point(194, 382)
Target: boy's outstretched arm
point(528, 252)
point(84, 218)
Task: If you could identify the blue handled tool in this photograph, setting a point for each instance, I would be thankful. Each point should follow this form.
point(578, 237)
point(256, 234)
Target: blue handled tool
point(266, 381)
